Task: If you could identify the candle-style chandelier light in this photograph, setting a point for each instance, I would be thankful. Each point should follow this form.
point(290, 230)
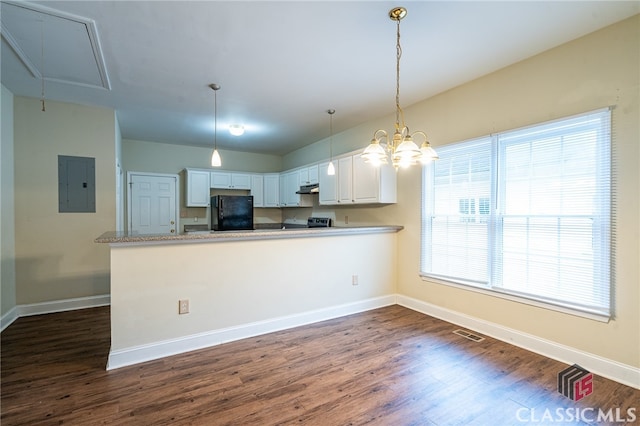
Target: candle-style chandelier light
point(401, 148)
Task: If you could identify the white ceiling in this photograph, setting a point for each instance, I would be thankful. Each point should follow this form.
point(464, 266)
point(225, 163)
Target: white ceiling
point(280, 65)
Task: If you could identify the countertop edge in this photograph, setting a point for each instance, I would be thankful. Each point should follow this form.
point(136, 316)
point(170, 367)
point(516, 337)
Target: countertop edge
point(113, 238)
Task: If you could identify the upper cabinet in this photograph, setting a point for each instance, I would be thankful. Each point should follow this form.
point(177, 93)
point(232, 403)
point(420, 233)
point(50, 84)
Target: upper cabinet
point(373, 184)
point(271, 190)
point(308, 175)
point(328, 185)
point(354, 182)
point(196, 188)
point(345, 184)
point(289, 185)
point(357, 182)
point(257, 190)
point(230, 180)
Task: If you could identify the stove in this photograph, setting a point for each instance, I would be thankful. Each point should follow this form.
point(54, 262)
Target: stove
point(318, 222)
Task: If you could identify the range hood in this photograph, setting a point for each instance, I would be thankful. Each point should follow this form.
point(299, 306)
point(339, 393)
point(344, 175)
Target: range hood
point(313, 188)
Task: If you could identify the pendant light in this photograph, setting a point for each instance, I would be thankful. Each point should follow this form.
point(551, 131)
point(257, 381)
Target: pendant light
point(216, 161)
point(403, 150)
point(331, 170)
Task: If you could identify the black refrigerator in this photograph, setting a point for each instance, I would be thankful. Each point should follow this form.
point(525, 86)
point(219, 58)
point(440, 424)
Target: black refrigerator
point(231, 212)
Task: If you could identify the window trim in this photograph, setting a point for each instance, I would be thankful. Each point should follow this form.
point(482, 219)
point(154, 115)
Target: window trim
point(501, 293)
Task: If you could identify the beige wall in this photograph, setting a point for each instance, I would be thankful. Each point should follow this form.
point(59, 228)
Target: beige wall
point(56, 257)
point(595, 71)
point(7, 232)
point(143, 156)
point(599, 70)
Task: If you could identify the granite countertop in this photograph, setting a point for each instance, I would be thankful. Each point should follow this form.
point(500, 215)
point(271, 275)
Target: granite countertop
point(258, 234)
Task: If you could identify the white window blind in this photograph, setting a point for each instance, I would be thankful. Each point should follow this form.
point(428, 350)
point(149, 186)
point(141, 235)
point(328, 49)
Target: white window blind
point(525, 213)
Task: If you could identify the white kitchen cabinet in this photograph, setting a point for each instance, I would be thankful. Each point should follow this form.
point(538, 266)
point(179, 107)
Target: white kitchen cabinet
point(373, 184)
point(197, 188)
point(230, 180)
point(271, 190)
point(257, 190)
point(345, 182)
point(328, 185)
point(357, 182)
point(308, 175)
point(290, 184)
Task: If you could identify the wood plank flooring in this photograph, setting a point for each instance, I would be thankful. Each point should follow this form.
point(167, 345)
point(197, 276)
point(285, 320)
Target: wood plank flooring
point(390, 366)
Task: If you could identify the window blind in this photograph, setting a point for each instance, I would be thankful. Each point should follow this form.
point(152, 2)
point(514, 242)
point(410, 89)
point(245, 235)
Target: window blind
point(525, 213)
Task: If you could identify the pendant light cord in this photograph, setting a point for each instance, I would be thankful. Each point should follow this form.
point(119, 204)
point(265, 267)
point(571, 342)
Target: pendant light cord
point(42, 62)
point(215, 119)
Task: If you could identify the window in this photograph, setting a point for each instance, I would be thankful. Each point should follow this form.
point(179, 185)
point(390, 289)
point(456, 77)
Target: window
point(525, 214)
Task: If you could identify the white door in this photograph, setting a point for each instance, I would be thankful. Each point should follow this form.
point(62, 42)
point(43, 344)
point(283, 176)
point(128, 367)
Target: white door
point(152, 204)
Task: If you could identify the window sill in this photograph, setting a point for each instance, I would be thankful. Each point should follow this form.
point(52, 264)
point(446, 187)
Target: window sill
point(592, 315)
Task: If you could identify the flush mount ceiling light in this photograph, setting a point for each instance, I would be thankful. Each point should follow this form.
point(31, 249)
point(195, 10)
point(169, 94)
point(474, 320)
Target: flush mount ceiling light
point(331, 170)
point(216, 161)
point(236, 129)
point(403, 150)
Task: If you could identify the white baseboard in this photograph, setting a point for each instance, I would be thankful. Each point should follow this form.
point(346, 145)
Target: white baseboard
point(8, 318)
point(134, 355)
point(54, 306)
point(622, 373)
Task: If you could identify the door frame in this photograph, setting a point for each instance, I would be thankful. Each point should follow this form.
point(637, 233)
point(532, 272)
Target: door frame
point(177, 195)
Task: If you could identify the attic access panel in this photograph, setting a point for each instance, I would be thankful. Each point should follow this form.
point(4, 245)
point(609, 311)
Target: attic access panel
point(76, 184)
point(54, 45)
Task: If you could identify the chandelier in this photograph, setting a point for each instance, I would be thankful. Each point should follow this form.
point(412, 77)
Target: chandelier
point(403, 150)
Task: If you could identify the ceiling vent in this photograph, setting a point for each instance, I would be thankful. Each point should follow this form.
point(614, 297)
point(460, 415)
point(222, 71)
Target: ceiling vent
point(469, 335)
point(54, 45)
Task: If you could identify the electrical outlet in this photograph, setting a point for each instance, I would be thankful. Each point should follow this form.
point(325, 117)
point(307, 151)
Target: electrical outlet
point(354, 280)
point(195, 219)
point(183, 306)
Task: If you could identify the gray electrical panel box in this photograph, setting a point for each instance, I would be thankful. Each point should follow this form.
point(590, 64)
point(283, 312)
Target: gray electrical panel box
point(76, 184)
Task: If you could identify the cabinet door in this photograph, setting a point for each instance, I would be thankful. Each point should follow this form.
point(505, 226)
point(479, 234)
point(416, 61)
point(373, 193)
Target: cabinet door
point(257, 190)
point(373, 184)
point(366, 181)
point(313, 173)
point(291, 185)
point(240, 181)
point(345, 183)
point(197, 188)
point(221, 180)
point(230, 180)
point(272, 190)
point(303, 176)
point(328, 185)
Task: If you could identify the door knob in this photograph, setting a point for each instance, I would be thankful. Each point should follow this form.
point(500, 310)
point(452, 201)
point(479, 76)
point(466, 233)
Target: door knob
point(173, 230)
point(172, 222)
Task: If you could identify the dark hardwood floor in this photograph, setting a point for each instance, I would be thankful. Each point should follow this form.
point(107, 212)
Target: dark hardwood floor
point(390, 366)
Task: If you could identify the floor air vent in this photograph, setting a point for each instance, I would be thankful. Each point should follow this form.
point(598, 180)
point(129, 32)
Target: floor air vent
point(469, 335)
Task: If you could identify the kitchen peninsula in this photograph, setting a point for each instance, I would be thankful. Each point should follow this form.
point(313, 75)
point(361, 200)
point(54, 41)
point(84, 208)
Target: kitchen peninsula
point(240, 284)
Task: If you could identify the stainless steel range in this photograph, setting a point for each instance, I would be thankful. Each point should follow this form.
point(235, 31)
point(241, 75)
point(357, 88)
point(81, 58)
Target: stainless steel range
point(318, 222)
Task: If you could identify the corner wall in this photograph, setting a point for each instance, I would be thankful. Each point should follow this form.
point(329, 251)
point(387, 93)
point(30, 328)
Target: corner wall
point(598, 70)
point(7, 217)
point(56, 257)
point(595, 71)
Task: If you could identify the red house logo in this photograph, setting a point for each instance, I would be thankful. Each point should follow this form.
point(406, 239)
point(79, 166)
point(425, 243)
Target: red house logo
point(575, 382)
